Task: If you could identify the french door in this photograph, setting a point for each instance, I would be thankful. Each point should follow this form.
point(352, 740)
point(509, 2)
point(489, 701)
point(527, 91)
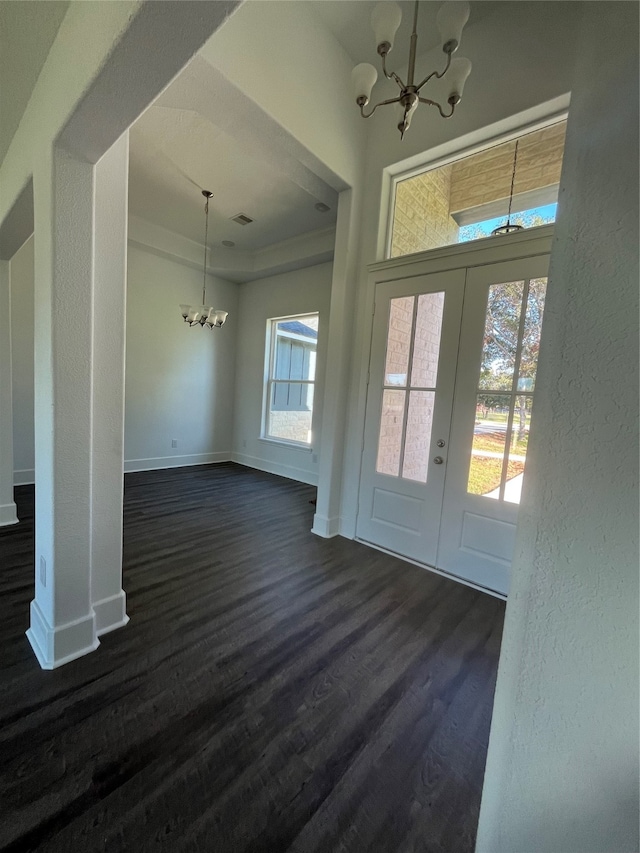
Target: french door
point(451, 382)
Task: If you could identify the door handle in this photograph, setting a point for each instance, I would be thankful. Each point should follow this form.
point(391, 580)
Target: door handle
point(438, 460)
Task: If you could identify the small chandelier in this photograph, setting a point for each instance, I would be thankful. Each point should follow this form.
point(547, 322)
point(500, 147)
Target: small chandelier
point(509, 227)
point(203, 315)
point(385, 21)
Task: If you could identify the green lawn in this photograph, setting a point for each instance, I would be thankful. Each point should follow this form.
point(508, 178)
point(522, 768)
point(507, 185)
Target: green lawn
point(495, 441)
point(484, 474)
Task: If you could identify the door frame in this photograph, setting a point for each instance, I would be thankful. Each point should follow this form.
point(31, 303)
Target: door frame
point(521, 244)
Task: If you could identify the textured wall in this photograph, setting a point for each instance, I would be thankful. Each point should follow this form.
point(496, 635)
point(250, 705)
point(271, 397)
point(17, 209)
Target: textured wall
point(562, 769)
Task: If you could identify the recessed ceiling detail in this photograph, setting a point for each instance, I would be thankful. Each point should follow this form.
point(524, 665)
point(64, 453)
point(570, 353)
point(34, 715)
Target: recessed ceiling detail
point(241, 219)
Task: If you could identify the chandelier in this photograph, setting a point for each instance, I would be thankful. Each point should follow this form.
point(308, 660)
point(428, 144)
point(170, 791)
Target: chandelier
point(203, 315)
point(385, 21)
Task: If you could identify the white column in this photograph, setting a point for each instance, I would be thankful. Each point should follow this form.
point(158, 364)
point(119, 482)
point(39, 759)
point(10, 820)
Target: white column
point(326, 521)
point(109, 302)
point(7, 505)
point(80, 225)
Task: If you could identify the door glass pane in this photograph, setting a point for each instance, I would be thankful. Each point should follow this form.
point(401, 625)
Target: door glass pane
point(390, 439)
point(531, 335)
point(399, 340)
point(518, 442)
point(502, 325)
point(489, 441)
point(418, 438)
point(426, 346)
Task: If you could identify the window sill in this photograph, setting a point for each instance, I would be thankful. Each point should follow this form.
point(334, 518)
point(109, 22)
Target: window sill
point(292, 445)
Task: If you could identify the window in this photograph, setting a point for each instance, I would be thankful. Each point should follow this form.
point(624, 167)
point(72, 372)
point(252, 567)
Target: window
point(291, 373)
point(465, 199)
point(506, 384)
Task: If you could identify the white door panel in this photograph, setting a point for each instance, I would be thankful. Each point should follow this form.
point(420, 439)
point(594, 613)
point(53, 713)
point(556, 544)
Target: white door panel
point(412, 374)
point(494, 388)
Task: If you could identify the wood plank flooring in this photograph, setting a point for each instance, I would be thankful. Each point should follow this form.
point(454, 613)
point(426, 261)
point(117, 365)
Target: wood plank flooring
point(273, 691)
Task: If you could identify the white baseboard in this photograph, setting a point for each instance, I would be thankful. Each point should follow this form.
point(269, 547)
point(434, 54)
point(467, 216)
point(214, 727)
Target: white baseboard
point(24, 477)
point(111, 613)
point(325, 527)
point(291, 472)
point(8, 514)
point(160, 462)
point(54, 647)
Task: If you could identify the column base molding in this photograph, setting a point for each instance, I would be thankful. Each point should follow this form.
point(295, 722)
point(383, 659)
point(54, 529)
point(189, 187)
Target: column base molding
point(325, 527)
point(8, 514)
point(54, 647)
point(111, 613)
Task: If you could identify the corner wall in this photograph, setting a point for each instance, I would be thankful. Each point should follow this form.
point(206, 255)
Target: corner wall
point(562, 767)
point(300, 292)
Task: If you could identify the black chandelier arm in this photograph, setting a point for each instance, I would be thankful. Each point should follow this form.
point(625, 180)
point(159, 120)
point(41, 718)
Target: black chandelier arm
point(437, 74)
point(390, 75)
point(381, 104)
point(436, 104)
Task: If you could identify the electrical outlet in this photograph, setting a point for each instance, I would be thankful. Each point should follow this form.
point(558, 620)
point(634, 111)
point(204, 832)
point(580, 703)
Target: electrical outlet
point(174, 442)
point(43, 571)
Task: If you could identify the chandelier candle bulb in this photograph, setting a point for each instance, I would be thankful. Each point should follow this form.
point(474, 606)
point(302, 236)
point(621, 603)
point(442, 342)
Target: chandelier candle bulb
point(363, 78)
point(451, 18)
point(385, 20)
point(459, 70)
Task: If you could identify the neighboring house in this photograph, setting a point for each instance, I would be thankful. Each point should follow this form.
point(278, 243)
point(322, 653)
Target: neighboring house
point(562, 765)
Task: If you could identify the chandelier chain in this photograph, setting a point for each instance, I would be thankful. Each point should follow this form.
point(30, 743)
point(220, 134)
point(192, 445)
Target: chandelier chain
point(206, 239)
point(513, 180)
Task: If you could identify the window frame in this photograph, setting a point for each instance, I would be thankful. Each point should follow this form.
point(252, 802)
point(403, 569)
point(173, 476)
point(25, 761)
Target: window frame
point(436, 158)
point(269, 379)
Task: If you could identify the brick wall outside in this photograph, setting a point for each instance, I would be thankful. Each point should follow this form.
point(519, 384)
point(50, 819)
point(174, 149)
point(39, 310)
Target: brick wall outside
point(422, 373)
point(424, 203)
point(486, 177)
point(421, 219)
point(291, 426)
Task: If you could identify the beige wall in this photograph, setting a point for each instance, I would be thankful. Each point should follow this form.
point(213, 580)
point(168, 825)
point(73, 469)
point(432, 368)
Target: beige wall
point(486, 177)
point(425, 203)
point(421, 218)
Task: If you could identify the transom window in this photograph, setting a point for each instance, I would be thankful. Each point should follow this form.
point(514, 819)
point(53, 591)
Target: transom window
point(290, 378)
point(466, 198)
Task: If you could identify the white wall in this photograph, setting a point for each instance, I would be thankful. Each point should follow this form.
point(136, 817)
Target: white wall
point(528, 47)
point(22, 327)
point(179, 380)
point(300, 292)
point(562, 768)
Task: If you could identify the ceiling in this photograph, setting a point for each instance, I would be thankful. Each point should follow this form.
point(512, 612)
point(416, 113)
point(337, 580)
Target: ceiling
point(196, 137)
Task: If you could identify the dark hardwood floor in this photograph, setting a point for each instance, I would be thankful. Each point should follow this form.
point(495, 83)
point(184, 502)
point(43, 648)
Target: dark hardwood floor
point(273, 691)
